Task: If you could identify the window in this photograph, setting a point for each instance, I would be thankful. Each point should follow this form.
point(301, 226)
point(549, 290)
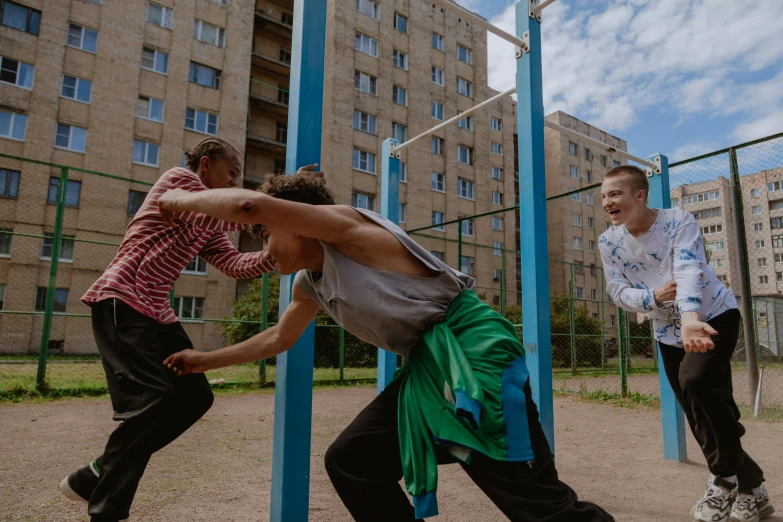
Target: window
point(465, 123)
point(364, 161)
point(73, 190)
point(755, 193)
point(281, 132)
point(437, 41)
point(576, 219)
point(591, 245)
point(777, 241)
point(13, 125)
point(576, 243)
point(588, 176)
point(495, 124)
point(82, 38)
point(591, 223)
point(438, 182)
point(401, 213)
point(399, 95)
point(776, 205)
point(497, 223)
point(497, 198)
point(763, 279)
point(586, 151)
point(721, 262)
point(399, 132)
point(16, 73)
point(437, 75)
point(497, 273)
point(220, 2)
point(70, 137)
point(149, 108)
point(759, 243)
point(464, 155)
point(66, 248)
point(593, 294)
point(437, 111)
point(579, 268)
point(608, 225)
point(208, 33)
point(574, 171)
point(5, 242)
point(775, 223)
point(2, 296)
point(135, 200)
point(579, 292)
point(711, 229)
point(9, 183)
point(196, 267)
point(465, 188)
point(468, 227)
point(203, 75)
point(464, 54)
point(437, 145)
point(714, 246)
point(497, 173)
point(364, 122)
point(159, 15)
point(612, 320)
point(576, 197)
point(762, 261)
point(675, 203)
point(145, 153)
point(467, 265)
point(368, 7)
point(758, 227)
point(20, 17)
point(756, 210)
point(362, 200)
point(497, 148)
point(189, 307)
point(592, 269)
point(615, 163)
point(400, 23)
point(366, 45)
point(604, 160)
point(201, 121)
point(464, 87)
point(698, 198)
point(400, 59)
point(76, 89)
point(60, 299)
point(403, 172)
point(365, 83)
point(589, 199)
point(497, 248)
point(154, 60)
point(437, 219)
point(440, 256)
point(283, 96)
point(572, 148)
point(287, 18)
point(778, 258)
point(285, 56)
point(774, 187)
point(707, 213)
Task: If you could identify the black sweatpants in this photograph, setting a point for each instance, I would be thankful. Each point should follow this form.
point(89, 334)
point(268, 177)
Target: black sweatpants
point(702, 384)
point(154, 405)
point(365, 468)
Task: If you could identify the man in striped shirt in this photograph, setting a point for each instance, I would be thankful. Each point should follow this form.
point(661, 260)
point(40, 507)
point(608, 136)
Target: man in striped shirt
point(136, 329)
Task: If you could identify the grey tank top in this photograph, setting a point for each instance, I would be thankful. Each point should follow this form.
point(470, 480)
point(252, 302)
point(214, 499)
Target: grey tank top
point(388, 309)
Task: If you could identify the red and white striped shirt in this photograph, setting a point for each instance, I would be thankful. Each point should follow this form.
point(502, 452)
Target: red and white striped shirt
point(153, 254)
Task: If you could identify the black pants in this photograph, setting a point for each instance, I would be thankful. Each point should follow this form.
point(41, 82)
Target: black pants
point(365, 468)
point(702, 384)
point(154, 405)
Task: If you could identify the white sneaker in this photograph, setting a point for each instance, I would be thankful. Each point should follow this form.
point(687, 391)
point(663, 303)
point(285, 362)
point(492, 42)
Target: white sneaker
point(751, 508)
point(717, 501)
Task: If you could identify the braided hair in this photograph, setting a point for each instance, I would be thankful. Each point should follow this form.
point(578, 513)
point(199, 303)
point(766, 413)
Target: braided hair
point(211, 148)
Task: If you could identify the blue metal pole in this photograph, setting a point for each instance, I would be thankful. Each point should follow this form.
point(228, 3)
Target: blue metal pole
point(294, 379)
point(672, 418)
point(532, 214)
point(390, 209)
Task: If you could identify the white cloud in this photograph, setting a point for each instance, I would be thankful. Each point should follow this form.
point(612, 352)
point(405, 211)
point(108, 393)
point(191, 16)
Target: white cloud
point(702, 58)
point(692, 150)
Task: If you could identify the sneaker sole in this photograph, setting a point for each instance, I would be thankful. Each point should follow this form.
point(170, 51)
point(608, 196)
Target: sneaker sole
point(764, 513)
point(71, 494)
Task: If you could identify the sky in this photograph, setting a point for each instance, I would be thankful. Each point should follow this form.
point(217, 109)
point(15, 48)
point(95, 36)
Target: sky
point(679, 77)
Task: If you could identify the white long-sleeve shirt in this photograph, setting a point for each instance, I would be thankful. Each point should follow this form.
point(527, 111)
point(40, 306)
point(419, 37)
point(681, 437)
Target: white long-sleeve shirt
point(671, 249)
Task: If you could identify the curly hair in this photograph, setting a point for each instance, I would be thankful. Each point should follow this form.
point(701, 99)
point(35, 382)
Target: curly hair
point(302, 187)
point(211, 148)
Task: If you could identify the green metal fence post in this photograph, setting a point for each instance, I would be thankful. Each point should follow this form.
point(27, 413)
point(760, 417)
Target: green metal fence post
point(571, 329)
point(342, 354)
point(603, 325)
point(621, 350)
point(43, 351)
point(264, 321)
point(459, 246)
point(503, 283)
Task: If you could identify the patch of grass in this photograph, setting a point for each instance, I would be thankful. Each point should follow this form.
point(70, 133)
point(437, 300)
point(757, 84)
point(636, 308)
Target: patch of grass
point(631, 400)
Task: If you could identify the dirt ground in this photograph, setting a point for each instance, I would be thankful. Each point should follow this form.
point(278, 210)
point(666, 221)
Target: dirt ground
point(221, 468)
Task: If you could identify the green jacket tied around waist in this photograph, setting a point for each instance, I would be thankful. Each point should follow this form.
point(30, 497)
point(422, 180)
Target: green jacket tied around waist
point(462, 389)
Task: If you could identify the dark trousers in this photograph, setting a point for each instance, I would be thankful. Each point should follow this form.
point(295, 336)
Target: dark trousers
point(154, 405)
point(365, 468)
point(702, 384)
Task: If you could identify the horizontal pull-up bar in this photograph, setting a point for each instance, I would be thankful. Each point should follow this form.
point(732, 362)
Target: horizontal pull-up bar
point(458, 117)
point(464, 13)
point(541, 5)
point(601, 145)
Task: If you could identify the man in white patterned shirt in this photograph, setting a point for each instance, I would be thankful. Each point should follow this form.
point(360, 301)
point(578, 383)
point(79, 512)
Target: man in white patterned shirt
point(655, 264)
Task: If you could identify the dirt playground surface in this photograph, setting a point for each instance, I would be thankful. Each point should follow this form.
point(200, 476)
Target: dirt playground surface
point(220, 469)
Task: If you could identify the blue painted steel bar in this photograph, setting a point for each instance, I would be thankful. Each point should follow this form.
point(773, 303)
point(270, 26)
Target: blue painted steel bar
point(672, 418)
point(532, 212)
point(390, 209)
point(294, 379)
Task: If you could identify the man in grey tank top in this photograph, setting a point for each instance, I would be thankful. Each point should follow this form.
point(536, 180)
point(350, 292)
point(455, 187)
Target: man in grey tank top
point(380, 285)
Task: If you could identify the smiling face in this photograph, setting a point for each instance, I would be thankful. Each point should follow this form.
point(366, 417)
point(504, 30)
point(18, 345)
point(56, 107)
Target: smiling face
point(623, 204)
point(222, 171)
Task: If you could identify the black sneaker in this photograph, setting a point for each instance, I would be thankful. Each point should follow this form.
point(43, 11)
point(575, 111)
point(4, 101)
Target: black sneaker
point(80, 484)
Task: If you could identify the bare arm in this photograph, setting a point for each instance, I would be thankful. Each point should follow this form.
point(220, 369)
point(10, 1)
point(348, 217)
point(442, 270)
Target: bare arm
point(268, 343)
